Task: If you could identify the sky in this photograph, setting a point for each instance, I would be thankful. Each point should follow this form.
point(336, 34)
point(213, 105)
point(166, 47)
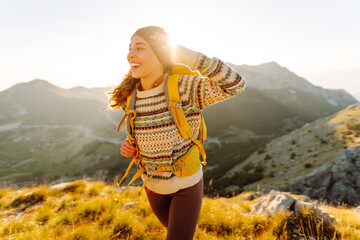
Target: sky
point(85, 42)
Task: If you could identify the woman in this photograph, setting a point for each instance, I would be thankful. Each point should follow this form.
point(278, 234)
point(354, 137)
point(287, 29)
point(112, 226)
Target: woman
point(176, 201)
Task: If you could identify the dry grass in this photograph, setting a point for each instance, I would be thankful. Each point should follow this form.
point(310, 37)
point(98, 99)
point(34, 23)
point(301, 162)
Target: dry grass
point(86, 210)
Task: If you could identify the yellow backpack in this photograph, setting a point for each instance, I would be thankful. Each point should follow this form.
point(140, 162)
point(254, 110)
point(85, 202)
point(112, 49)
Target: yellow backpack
point(187, 164)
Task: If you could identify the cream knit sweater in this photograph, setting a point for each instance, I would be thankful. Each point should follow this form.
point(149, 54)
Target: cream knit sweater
point(158, 139)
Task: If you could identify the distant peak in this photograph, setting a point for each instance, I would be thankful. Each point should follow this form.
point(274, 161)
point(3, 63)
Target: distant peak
point(39, 81)
point(77, 87)
point(33, 84)
point(270, 64)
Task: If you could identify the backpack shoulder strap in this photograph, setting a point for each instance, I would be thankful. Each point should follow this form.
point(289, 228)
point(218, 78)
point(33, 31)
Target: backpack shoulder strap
point(130, 115)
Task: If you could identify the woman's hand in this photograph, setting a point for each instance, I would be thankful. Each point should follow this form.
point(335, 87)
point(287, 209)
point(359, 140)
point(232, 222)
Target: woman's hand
point(163, 39)
point(185, 56)
point(127, 150)
point(160, 37)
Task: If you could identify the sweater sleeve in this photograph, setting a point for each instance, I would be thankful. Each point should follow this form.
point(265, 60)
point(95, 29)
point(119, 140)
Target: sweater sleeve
point(217, 82)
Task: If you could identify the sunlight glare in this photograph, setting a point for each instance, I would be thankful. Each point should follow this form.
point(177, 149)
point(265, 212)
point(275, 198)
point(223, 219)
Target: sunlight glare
point(172, 43)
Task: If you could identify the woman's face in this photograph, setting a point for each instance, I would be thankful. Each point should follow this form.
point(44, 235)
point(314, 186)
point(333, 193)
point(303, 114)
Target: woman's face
point(143, 61)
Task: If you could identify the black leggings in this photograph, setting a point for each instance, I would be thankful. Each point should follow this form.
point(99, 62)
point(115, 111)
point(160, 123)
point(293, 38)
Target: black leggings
point(179, 211)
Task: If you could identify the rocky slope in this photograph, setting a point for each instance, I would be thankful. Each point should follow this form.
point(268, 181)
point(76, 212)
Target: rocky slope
point(320, 159)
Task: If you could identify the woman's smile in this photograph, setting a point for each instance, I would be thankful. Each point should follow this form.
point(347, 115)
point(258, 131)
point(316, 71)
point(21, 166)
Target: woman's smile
point(134, 65)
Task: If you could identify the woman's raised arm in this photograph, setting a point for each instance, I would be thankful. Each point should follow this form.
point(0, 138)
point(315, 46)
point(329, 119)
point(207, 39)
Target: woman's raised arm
point(218, 81)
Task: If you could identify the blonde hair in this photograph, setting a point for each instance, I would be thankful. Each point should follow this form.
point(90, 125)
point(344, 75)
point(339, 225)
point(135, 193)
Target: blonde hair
point(120, 93)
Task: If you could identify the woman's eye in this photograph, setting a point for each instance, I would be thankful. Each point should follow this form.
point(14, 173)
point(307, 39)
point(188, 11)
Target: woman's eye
point(137, 49)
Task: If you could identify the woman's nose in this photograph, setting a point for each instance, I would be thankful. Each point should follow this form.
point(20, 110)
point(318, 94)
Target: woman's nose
point(130, 55)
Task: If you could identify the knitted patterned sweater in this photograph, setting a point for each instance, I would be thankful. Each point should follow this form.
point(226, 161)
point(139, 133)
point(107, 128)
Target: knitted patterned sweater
point(159, 141)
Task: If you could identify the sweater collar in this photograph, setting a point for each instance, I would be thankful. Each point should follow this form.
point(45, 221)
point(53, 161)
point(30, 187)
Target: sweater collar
point(151, 92)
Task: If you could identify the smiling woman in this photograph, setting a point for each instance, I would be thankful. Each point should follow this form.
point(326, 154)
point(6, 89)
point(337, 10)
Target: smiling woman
point(163, 96)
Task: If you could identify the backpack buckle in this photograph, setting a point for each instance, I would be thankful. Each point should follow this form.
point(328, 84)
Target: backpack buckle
point(152, 168)
point(179, 105)
point(175, 168)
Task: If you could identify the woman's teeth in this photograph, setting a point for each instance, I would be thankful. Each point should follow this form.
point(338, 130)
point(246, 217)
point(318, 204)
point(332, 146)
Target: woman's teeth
point(135, 64)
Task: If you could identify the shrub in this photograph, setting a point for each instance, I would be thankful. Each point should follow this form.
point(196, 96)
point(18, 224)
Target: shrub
point(12, 228)
point(43, 218)
point(309, 225)
point(353, 126)
point(308, 165)
point(63, 220)
point(122, 230)
point(267, 157)
point(260, 151)
point(259, 168)
point(244, 178)
point(62, 206)
point(28, 199)
point(323, 141)
point(75, 187)
point(91, 211)
point(106, 219)
point(248, 166)
point(93, 192)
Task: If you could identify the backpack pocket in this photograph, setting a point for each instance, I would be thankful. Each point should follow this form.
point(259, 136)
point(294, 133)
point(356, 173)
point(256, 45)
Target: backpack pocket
point(188, 164)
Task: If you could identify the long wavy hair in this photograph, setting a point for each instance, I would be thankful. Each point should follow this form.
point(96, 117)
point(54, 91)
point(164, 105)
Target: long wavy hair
point(119, 94)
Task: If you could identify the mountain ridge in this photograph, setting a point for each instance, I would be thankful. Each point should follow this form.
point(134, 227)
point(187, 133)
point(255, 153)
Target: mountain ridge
point(68, 133)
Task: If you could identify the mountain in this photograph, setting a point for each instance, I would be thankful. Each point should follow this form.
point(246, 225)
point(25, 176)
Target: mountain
point(271, 77)
point(320, 159)
point(49, 132)
point(91, 93)
point(275, 101)
point(61, 134)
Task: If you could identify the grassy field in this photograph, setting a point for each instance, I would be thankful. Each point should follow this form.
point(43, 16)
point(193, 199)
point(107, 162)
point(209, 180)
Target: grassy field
point(87, 210)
